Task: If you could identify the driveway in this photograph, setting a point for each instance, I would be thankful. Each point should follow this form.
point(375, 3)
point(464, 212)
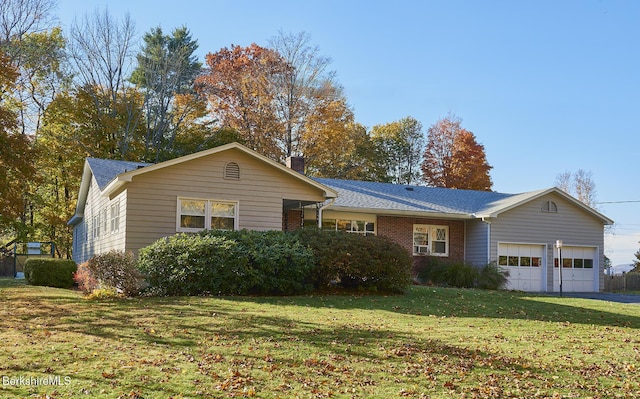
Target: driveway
point(605, 296)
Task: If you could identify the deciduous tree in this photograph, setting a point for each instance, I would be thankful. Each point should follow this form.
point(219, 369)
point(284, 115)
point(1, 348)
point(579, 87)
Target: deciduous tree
point(16, 154)
point(401, 143)
point(40, 59)
point(73, 128)
point(579, 184)
point(100, 47)
point(305, 92)
point(282, 100)
point(19, 17)
point(239, 86)
point(453, 158)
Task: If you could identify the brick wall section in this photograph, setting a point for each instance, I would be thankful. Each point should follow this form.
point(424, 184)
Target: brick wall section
point(292, 220)
point(400, 230)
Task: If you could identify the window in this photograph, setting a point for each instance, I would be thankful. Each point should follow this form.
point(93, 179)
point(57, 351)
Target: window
point(105, 220)
point(328, 224)
point(196, 214)
point(575, 263)
point(96, 225)
point(115, 217)
point(355, 226)
point(522, 261)
point(549, 207)
point(350, 226)
point(430, 240)
point(223, 216)
point(232, 171)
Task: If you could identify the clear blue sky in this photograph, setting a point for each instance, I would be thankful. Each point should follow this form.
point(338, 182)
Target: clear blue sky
point(546, 86)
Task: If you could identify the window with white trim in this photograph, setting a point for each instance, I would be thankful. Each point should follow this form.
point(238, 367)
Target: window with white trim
point(430, 240)
point(96, 225)
point(115, 217)
point(198, 214)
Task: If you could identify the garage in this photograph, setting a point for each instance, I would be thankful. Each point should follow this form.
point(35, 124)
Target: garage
point(525, 264)
point(579, 269)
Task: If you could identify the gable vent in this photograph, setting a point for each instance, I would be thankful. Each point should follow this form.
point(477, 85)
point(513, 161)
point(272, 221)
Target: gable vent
point(549, 206)
point(232, 171)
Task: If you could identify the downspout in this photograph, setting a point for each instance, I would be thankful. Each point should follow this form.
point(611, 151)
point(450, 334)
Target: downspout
point(488, 222)
point(322, 208)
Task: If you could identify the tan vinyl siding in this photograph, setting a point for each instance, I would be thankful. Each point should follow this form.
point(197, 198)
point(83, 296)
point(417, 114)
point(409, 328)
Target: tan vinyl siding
point(87, 244)
point(529, 224)
point(259, 193)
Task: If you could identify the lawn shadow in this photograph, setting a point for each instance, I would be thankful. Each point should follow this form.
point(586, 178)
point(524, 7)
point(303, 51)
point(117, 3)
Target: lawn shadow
point(453, 302)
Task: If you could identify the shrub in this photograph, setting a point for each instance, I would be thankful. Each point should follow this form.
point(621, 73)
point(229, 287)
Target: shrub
point(492, 277)
point(50, 272)
point(423, 266)
point(457, 274)
point(227, 262)
point(354, 261)
point(463, 275)
point(187, 264)
point(85, 279)
point(116, 269)
point(277, 263)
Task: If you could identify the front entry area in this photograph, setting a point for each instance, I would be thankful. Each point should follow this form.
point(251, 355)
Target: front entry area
point(525, 264)
point(579, 269)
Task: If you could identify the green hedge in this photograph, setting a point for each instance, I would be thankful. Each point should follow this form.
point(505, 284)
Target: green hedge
point(220, 262)
point(273, 263)
point(353, 261)
point(50, 272)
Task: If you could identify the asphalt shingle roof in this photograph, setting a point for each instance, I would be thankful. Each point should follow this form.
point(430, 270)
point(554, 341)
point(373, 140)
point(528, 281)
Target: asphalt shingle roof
point(387, 196)
point(105, 170)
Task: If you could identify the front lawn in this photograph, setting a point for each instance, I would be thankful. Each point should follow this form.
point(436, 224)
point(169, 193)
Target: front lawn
point(432, 342)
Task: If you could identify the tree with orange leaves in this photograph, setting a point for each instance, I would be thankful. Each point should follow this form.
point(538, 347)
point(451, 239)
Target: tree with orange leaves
point(453, 158)
point(16, 155)
point(239, 87)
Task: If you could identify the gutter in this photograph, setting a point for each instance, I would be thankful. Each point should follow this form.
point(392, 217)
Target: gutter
point(322, 208)
point(406, 213)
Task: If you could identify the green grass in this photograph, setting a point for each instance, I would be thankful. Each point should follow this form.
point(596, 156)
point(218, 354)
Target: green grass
point(432, 342)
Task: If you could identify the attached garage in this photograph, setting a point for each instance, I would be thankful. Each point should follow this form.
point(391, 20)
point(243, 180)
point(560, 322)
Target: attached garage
point(526, 265)
point(579, 269)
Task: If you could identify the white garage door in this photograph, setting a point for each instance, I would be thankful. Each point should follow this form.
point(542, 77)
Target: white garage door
point(579, 270)
point(525, 264)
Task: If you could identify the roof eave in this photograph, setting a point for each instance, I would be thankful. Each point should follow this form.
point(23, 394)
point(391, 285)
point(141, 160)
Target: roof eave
point(87, 174)
point(403, 213)
point(115, 184)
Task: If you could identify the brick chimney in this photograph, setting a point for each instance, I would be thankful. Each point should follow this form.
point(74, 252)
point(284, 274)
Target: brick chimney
point(296, 163)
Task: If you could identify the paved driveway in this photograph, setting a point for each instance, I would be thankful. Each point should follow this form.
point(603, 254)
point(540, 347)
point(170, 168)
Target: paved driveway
point(605, 296)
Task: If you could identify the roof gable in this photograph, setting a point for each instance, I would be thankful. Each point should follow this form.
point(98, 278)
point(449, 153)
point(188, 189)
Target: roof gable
point(111, 175)
point(126, 177)
point(495, 209)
